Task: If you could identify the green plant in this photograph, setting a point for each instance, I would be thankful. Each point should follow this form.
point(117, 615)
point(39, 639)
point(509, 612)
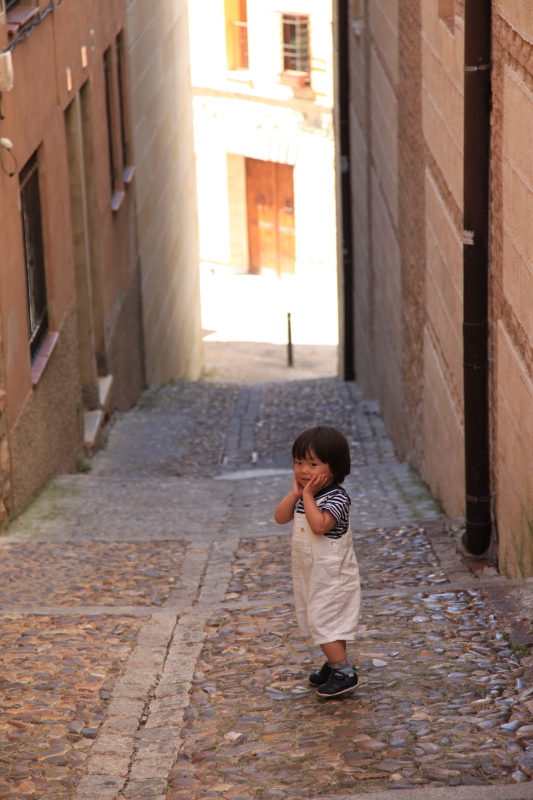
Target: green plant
point(82, 465)
point(519, 650)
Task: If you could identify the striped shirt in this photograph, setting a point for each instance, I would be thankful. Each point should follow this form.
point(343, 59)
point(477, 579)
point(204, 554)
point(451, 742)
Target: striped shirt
point(332, 498)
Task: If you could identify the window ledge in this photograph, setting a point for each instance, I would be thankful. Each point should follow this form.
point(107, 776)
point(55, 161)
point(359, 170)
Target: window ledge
point(128, 175)
point(295, 79)
point(357, 28)
point(117, 200)
point(449, 22)
point(19, 16)
point(43, 357)
point(239, 75)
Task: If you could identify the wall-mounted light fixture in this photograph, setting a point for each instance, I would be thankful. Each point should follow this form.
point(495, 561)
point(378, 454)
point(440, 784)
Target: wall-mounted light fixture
point(6, 71)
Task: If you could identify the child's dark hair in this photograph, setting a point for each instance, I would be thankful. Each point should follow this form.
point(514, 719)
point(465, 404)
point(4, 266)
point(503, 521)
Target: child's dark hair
point(329, 445)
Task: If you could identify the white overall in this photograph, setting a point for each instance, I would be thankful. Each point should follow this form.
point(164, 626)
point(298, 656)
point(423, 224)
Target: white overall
point(325, 575)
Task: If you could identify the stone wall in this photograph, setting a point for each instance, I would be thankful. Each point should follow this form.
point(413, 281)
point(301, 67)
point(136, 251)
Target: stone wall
point(48, 433)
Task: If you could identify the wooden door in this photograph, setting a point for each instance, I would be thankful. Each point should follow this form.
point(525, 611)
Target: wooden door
point(285, 198)
point(270, 203)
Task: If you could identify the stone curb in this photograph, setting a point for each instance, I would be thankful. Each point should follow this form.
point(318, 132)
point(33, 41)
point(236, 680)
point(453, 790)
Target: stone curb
point(139, 741)
point(110, 756)
point(517, 792)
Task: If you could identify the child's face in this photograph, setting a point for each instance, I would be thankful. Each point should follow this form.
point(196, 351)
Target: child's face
point(310, 466)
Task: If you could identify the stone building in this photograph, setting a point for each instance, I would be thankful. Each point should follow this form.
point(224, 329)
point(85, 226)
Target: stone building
point(411, 152)
point(88, 139)
point(262, 77)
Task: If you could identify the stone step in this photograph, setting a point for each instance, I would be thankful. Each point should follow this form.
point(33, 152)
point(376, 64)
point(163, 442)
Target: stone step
point(104, 390)
point(95, 420)
point(93, 423)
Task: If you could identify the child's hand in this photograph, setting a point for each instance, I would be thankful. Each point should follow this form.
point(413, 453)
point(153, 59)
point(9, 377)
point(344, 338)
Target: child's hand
point(296, 488)
point(315, 485)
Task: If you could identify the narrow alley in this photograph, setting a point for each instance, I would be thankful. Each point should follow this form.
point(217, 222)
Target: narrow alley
point(150, 650)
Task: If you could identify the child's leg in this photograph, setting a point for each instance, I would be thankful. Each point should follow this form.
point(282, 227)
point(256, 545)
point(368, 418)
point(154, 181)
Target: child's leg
point(342, 675)
point(336, 664)
point(335, 652)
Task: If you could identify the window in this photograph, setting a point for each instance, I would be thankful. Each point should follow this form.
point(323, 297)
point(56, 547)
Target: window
point(447, 13)
point(34, 253)
point(117, 113)
point(236, 34)
point(357, 18)
point(109, 105)
point(296, 52)
point(18, 14)
point(127, 159)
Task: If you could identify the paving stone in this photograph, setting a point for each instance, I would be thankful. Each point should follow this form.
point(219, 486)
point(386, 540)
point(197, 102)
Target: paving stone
point(205, 694)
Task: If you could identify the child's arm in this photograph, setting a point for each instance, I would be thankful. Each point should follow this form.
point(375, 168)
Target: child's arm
point(285, 510)
point(319, 521)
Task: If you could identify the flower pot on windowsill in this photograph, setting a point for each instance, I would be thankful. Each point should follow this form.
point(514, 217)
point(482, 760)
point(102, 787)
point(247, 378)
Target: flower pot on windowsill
point(295, 79)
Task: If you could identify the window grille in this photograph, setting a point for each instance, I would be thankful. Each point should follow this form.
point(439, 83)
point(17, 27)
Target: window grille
point(34, 253)
point(296, 50)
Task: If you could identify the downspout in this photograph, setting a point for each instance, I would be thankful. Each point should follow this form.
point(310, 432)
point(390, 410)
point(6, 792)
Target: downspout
point(343, 71)
point(477, 103)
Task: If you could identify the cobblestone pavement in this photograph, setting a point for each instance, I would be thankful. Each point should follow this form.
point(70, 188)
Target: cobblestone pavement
point(148, 643)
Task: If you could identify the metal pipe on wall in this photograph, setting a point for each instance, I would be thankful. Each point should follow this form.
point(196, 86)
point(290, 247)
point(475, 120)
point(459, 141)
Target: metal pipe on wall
point(343, 71)
point(477, 102)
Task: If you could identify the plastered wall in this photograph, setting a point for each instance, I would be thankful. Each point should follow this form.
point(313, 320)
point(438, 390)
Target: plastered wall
point(158, 46)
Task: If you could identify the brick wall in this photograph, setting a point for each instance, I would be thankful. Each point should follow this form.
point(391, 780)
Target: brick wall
point(407, 194)
point(512, 284)
point(406, 136)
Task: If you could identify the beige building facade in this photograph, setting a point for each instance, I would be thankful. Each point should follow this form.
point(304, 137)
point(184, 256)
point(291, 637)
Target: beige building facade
point(262, 78)
point(167, 215)
point(406, 106)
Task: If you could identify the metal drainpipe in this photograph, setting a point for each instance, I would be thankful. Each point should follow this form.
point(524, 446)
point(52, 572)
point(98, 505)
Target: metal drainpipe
point(343, 66)
point(477, 102)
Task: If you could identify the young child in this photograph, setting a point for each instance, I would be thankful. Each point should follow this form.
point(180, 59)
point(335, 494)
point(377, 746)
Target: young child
point(325, 574)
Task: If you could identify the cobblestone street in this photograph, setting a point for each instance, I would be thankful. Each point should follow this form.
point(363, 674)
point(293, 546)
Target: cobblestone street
point(149, 646)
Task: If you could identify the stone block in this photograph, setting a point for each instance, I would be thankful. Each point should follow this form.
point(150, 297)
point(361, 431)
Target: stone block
point(103, 787)
point(98, 764)
point(115, 744)
point(513, 461)
point(443, 433)
point(154, 789)
point(152, 768)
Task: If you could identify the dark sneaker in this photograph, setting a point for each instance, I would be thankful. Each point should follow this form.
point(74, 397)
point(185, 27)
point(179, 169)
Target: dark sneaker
point(339, 683)
point(321, 676)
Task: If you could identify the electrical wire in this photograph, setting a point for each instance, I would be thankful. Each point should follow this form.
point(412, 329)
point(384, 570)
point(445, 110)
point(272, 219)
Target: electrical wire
point(15, 164)
point(28, 29)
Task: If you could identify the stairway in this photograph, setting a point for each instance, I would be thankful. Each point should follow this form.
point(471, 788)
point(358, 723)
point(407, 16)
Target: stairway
point(94, 421)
